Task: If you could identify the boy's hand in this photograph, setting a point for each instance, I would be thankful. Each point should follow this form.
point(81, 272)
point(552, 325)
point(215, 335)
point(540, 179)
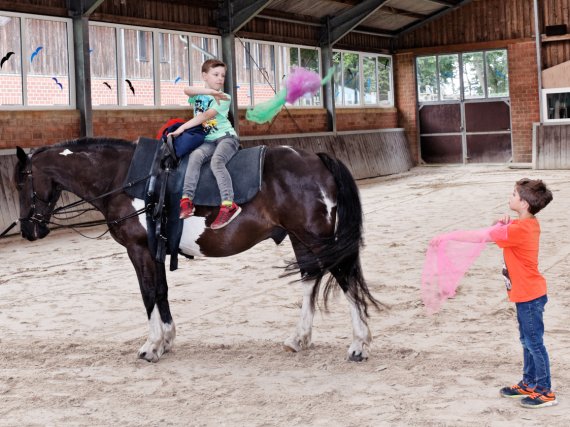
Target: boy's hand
point(505, 219)
point(219, 96)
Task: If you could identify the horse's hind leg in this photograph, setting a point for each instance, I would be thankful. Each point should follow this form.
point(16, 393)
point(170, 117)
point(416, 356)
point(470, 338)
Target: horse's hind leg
point(347, 272)
point(301, 338)
point(154, 290)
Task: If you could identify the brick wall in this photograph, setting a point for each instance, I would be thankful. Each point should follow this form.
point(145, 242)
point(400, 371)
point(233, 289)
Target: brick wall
point(37, 128)
point(523, 85)
point(405, 88)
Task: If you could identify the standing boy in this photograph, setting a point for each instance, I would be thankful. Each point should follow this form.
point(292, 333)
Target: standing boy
point(211, 107)
point(526, 287)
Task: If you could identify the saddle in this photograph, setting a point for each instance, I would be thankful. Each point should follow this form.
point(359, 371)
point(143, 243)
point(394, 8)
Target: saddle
point(162, 189)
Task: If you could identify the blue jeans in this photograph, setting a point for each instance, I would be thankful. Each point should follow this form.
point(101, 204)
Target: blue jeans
point(220, 151)
point(536, 366)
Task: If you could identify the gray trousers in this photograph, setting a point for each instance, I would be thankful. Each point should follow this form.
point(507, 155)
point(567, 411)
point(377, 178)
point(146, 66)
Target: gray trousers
point(220, 151)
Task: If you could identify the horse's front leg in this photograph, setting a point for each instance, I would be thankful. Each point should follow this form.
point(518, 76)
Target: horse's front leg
point(154, 290)
point(301, 338)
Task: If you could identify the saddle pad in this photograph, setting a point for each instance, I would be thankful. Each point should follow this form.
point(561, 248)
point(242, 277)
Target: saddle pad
point(245, 168)
point(146, 155)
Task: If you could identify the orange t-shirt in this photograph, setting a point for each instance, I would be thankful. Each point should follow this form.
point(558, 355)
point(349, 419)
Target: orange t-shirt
point(520, 252)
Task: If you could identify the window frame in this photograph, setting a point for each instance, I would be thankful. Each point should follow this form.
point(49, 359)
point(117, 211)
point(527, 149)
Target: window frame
point(462, 98)
point(361, 55)
point(545, 93)
point(25, 66)
point(276, 60)
point(156, 32)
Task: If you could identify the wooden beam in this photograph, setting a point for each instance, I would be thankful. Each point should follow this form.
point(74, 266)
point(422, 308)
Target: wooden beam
point(234, 14)
point(340, 25)
point(432, 17)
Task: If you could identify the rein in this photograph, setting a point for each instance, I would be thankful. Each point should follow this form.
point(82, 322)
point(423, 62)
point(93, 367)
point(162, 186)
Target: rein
point(38, 218)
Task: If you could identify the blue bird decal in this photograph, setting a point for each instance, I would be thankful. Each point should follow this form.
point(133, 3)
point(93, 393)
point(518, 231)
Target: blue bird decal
point(35, 53)
point(177, 79)
point(57, 83)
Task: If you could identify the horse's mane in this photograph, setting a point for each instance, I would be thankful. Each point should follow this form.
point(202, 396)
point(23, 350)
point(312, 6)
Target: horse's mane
point(85, 142)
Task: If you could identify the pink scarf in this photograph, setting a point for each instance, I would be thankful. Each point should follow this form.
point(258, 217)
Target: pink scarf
point(448, 258)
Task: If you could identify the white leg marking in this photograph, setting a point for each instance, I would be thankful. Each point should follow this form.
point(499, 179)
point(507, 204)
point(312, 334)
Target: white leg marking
point(155, 346)
point(301, 338)
point(193, 229)
point(361, 337)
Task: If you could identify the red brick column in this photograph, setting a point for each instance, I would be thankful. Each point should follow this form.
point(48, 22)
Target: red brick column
point(523, 88)
point(405, 87)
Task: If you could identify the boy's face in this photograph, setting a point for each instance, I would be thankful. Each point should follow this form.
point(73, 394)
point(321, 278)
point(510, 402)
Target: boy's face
point(516, 203)
point(215, 77)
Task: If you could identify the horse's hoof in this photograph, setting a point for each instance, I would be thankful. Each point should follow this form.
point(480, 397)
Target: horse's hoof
point(354, 357)
point(289, 349)
point(150, 355)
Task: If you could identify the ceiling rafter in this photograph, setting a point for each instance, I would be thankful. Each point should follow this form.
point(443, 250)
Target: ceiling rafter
point(83, 7)
point(338, 26)
point(432, 17)
point(234, 14)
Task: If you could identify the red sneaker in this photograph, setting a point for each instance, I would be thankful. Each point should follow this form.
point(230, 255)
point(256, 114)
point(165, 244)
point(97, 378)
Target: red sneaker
point(186, 208)
point(225, 216)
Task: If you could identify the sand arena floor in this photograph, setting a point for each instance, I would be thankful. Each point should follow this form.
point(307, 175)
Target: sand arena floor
point(72, 320)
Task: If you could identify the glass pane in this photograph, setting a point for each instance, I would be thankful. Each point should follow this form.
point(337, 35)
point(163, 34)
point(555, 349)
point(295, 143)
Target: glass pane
point(203, 48)
point(11, 66)
point(473, 75)
point(243, 62)
point(351, 77)
point(138, 79)
point(174, 68)
point(336, 60)
point(48, 76)
point(427, 79)
point(310, 61)
point(497, 73)
point(264, 73)
point(449, 76)
point(293, 57)
point(103, 58)
point(558, 105)
point(385, 80)
point(370, 80)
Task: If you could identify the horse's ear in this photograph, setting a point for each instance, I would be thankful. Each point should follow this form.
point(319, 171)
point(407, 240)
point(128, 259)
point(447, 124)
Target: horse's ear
point(22, 156)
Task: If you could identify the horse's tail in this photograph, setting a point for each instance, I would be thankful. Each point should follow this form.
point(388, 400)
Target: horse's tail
point(341, 253)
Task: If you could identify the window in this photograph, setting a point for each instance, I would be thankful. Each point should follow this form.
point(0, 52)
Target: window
point(556, 104)
point(103, 58)
point(362, 79)
point(36, 66)
point(124, 72)
point(471, 75)
point(262, 68)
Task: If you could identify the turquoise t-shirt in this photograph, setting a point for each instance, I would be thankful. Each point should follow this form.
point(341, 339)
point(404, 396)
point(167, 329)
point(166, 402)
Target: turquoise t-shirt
point(218, 126)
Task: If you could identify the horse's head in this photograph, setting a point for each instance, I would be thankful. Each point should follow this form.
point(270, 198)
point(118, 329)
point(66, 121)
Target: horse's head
point(38, 196)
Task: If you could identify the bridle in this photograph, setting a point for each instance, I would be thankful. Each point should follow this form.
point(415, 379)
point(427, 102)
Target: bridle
point(41, 219)
point(33, 215)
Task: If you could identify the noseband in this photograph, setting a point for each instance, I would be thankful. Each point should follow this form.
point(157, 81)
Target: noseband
point(34, 216)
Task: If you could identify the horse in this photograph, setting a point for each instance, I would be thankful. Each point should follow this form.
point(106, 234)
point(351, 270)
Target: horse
point(311, 198)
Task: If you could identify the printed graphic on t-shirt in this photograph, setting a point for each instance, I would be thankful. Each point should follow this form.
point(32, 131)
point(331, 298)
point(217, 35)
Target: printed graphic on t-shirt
point(201, 105)
point(506, 277)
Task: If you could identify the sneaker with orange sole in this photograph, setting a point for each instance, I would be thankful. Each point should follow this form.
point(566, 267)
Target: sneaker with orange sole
point(539, 400)
point(517, 391)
